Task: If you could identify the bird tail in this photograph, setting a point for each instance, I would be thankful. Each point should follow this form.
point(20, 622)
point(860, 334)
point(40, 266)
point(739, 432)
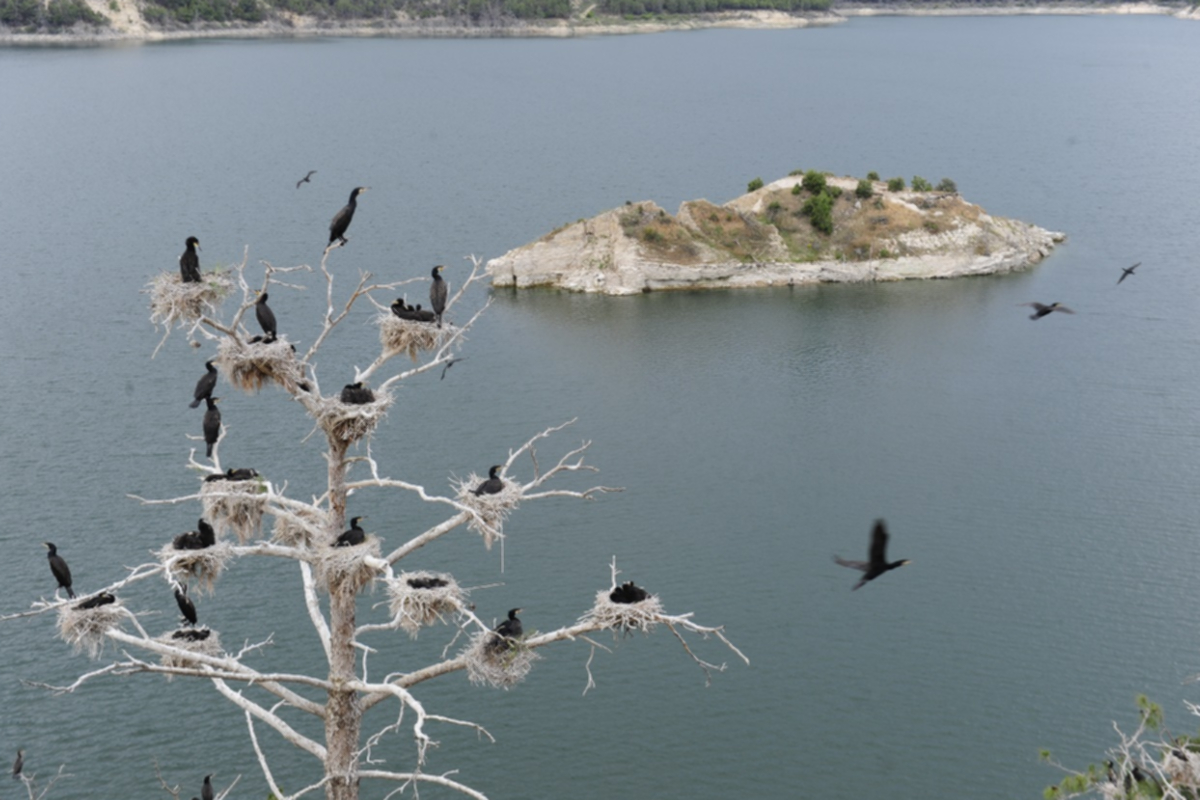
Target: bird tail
point(70, 593)
point(208, 451)
point(195, 403)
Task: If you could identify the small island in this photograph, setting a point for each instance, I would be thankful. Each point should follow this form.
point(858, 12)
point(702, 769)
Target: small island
point(805, 228)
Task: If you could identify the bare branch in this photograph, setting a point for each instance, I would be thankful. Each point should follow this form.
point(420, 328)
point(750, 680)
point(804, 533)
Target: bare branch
point(409, 778)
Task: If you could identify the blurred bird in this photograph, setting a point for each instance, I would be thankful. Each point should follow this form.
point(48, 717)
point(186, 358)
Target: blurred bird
point(186, 606)
point(266, 317)
point(305, 179)
point(189, 262)
point(878, 563)
point(353, 537)
point(438, 293)
point(204, 386)
point(1042, 310)
point(507, 632)
point(341, 220)
point(18, 765)
point(493, 485)
point(207, 792)
point(212, 424)
point(1127, 271)
point(96, 600)
point(59, 568)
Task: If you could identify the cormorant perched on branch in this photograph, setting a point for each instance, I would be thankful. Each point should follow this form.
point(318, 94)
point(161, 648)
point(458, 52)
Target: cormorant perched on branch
point(427, 583)
point(352, 537)
point(204, 386)
point(493, 485)
point(878, 563)
point(62, 573)
point(186, 606)
point(266, 318)
point(438, 293)
point(212, 424)
point(356, 394)
point(207, 792)
point(18, 765)
point(629, 593)
point(189, 262)
point(1041, 310)
point(341, 220)
point(1127, 271)
point(96, 600)
point(305, 179)
point(507, 632)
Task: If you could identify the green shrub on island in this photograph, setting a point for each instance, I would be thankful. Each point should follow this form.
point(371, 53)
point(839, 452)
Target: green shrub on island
point(31, 16)
point(864, 189)
point(645, 8)
point(919, 184)
point(754, 185)
point(947, 185)
point(873, 175)
point(896, 185)
point(819, 210)
point(814, 181)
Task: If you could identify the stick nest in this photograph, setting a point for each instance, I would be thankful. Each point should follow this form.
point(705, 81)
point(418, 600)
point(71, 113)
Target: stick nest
point(173, 302)
point(417, 607)
point(202, 566)
point(235, 505)
point(299, 528)
point(624, 617)
point(209, 646)
point(409, 336)
point(492, 509)
point(251, 366)
point(84, 629)
point(348, 422)
point(493, 660)
point(338, 567)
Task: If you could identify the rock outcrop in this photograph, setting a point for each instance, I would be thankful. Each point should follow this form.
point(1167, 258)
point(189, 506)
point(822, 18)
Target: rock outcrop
point(765, 238)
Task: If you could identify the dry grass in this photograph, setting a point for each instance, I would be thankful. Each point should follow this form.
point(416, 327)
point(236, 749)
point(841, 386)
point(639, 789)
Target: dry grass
point(416, 608)
point(499, 667)
point(210, 646)
point(623, 617)
point(235, 505)
point(301, 529)
point(200, 566)
point(338, 567)
point(409, 336)
point(251, 366)
point(347, 422)
point(84, 629)
point(173, 302)
point(493, 509)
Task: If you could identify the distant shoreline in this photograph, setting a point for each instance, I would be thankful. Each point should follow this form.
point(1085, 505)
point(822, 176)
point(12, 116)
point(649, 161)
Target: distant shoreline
point(133, 30)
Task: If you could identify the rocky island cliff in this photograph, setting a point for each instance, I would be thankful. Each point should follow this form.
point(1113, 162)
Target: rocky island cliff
point(796, 230)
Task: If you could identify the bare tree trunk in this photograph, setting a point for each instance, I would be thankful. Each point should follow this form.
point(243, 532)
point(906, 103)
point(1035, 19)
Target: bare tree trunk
point(343, 714)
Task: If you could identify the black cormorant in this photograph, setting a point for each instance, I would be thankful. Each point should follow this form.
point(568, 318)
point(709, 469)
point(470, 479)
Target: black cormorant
point(204, 386)
point(207, 792)
point(266, 317)
point(878, 563)
point(19, 764)
point(1127, 271)
point(62, 573)
point(352, 537)
point(189, 262)
point(422, 314)
point(212, 424)
point(96, 600)
point(208, 536)
point(427, 583)
point(628, 593)
point(305, 179)
point(356, 394)
point(1040, 310)
point(401, 310)
point(438, 294)
point(231, 474)
point(341, 220)
point(192, 635)
point(186, 606)
point(493, 485)
point(189, 540)
point(507, 631)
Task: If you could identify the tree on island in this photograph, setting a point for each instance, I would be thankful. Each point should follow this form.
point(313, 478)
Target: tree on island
point(333, 564)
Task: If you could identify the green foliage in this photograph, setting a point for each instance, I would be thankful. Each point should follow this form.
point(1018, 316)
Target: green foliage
point(896, 185)
point(814, 181)
point(873, 176)
point(798, 172)
point(819, 210)
point(651, 235)
point(55, 15)
point(774, 208)
point(643, 8)
point(796, 189)
point(1151, 712)
point(947, 185)
point(754, 185)
point(864, 189)
point(919, 184)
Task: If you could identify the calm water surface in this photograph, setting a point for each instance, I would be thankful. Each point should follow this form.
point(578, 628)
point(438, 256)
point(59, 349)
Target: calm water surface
point(1041, 476)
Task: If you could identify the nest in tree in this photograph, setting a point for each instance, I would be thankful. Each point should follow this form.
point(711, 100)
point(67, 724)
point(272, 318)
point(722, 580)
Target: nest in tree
point(201, 566)
point(349, 422)
point(492, 509)
point(173, 302)
point(623, 617)
point(84, 628)
point(496, 661)
point(251, 365)
point(204, 641)
point(409, 336)
point(337, 567)
point(421, 598)
point(235, 505)
point(299, 528)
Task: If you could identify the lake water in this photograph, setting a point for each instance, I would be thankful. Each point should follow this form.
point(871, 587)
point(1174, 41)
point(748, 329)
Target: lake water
point(1042, 476)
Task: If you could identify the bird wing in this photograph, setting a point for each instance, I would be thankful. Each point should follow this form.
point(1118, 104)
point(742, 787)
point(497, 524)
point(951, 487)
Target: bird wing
point(1064, 309)
point(862, 565)
point(1036, 306)
point(879, 540)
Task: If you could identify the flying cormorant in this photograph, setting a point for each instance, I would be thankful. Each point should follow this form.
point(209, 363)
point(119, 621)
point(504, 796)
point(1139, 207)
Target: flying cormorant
point(96, 600)
point(62, 573)
point(204, 386)
point(1041, 310)
point(341, 220)
point(356, 394)
point(352, 537)
point(507, 632)
point(305, 179)
point(18, 765)
point(1127, 271)
point(493, 485)
point(207, 792)
point(266, 318)
point(212, 424)
point(189, 262)
point(438, 293)
point(878, 563)
point(628, 593)
point(186, 606)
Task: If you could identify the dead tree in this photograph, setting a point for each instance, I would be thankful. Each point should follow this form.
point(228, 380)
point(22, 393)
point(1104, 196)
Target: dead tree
point(253, 516)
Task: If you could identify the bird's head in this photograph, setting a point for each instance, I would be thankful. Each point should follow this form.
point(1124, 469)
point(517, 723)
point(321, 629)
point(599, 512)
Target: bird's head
point(355, 520)
point(437, 270)
point(493, 470)
point(359, 190)
point(50, 546)
point(262, 296)
point(512, 612)
point(192, 241)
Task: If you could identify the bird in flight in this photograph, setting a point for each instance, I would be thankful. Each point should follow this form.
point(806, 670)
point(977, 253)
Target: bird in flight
point(878, 563)
point(305, 179)
point(1040, 310)
point(1127, 271)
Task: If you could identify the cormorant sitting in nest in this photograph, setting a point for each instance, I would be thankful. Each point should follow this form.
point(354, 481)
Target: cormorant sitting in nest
point(186, 606)
point(204, 386)
point(422, 314)
point(231, 474)
point(356, 394)
point(629, 593)
point(212, 424)
point(878, 563)
point(341, 220)
point(1127, 271)
point(192, 635)
point(96, 600)
point(189, 262)
point(62, 573)
point(507, 632)
point(493, 485)
point(438, 294)
point(266, 318)
point(427, 583)
point(352, 537)
point(208, 536)
point(1041, 310)
point(400, 309)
